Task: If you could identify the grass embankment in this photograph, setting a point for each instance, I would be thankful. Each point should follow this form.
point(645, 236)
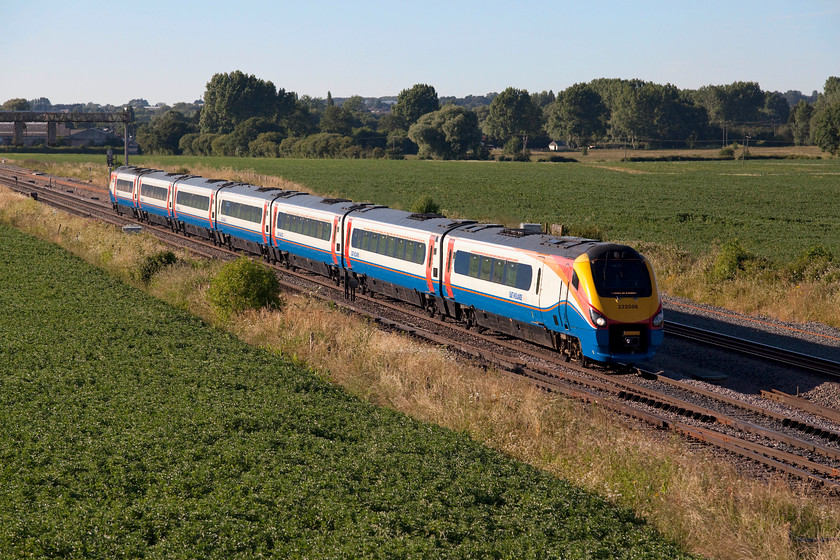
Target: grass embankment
point(132, 429)
point(691, 499)
point(758, 237)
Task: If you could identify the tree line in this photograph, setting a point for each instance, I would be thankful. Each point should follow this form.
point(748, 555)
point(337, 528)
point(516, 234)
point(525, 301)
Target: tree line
point(242, 115)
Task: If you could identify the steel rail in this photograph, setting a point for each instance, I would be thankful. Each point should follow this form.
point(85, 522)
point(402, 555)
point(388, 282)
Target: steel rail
point(755, 349)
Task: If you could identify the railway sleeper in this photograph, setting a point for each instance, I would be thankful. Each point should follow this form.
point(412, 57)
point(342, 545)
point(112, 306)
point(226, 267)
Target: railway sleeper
point(811, 429)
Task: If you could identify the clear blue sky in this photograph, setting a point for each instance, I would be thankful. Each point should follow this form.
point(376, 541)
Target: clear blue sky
point(166, 51)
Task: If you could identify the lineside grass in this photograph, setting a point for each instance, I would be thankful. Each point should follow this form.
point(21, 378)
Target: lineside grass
point(690, 498)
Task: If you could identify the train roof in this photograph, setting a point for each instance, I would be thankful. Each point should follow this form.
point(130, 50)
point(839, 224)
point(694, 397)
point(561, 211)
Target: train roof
point(526, 240)
point(311, 201)
point(433, 223)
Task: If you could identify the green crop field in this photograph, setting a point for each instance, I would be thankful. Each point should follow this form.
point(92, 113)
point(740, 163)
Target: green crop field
point(131, 429)
point(777, 209)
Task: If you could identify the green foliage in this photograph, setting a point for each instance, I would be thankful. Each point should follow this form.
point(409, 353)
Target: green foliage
point(16, 104)
point(728, 152)
point(148, 434)
point(578, 115)
point(163, 135)
point(730, 259)
point(825, 128)
point(235, 97)
point(449, 133)
point(243, 284)
point(336, 120)
point(815, 263)
point(324, 145)
point(513, 146)
point(152, 264)
point(412, 104)
point(800, 122)
point(512, 113)
point(425, 205)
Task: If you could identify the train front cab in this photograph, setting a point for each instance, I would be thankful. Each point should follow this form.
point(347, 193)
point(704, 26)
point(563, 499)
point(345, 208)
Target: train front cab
point(620, 318)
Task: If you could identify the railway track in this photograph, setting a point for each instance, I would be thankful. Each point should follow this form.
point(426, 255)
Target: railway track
point(793, 441)
point(750, 348)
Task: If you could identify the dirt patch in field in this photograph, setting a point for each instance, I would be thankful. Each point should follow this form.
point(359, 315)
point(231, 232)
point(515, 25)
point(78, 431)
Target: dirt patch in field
point(624, 170)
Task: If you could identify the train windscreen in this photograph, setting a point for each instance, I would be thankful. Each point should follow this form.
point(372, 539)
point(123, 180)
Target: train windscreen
point(617, 275)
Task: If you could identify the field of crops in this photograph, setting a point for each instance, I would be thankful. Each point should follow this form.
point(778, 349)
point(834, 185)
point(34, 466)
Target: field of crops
point(777, 208)
point(131, 429)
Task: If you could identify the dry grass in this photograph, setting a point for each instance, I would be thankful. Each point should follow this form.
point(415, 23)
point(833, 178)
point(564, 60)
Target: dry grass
point(692, 498)
point(766, 292)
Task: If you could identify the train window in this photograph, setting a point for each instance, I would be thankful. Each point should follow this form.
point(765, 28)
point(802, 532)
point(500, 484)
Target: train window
point(192, 200)
point(575, 281)
point(510, 274)
point(305, 226)
point(619, 277)
point(124, 185)
point(523, 277)
point(390, 246)
point(151, 191)
point(499, 272)
point(475, 265)
point(486, 268)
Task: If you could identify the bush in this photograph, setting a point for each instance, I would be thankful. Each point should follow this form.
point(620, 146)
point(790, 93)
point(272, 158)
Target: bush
point(425, 205)
point(729, 261)
point(152, 264)
point(813, 264)
point(243, 284)
point(727, 152)
point(513, 146)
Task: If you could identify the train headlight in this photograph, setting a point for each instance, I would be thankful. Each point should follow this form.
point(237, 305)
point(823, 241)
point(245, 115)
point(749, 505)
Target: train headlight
point(659, 318)
point(599, 320)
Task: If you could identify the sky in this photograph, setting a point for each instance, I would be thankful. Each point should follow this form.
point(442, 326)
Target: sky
point(166, 51)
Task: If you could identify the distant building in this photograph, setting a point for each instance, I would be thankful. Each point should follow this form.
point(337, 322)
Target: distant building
point(93, 137)
point(556, 146)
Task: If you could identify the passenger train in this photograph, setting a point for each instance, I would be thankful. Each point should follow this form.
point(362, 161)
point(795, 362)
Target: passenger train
point(587, 299)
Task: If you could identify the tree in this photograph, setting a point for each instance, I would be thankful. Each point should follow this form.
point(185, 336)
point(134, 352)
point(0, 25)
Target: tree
point(16, 104)
point(634, 113)
point(825, 120)
point(163, 134)
point(512, 113)
point(578, 115)
point(800, 122)
point(412, 104)
point(40, 104)
point(825, 128)
point(744, 101)
point(246, 132)
point(448, 133)
point(232, 98)
point(776, 108)
point(335, 119)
